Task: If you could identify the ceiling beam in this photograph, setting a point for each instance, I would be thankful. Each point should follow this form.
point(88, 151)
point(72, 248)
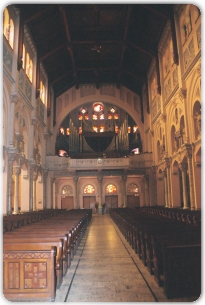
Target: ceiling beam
point(94, 68)
point(70, 49)
point(124, 44)
point(83, 42)
point(62, 76)
point(38, 14)
point(156, 12)
point(142, 50)
point(142, 80)
point(52, 52)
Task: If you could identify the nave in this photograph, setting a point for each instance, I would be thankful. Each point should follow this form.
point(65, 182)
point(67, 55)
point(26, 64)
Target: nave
point(106, 269)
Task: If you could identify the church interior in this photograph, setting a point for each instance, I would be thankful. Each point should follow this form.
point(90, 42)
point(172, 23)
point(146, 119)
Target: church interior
point(101, 124)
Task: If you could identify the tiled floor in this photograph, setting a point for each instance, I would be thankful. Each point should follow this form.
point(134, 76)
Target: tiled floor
point(106, 269)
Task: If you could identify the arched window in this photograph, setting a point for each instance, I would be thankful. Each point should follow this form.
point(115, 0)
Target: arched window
point(174, 140)
point(27, 63)
point(89, 189)
point(67, 190)
point(133, 188)
point(42, 92)
point(185, 23)
point(110, 188)
point(8, 28)
point(197, 119)
point(154, 87)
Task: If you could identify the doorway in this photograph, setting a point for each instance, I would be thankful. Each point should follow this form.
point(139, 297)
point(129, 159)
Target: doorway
point(89, 203)
point(111, 201)
point(67, 203)
point(133, 201)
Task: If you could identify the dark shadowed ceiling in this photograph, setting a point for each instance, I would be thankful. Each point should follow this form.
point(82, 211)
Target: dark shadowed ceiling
point(96, 43)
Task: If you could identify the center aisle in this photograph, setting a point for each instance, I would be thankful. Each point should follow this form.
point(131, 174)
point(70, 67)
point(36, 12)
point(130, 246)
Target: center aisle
point(106, 269)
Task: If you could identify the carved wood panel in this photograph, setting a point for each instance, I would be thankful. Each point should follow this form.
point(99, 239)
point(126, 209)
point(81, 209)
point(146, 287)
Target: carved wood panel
point(13, 275)
point(35, 275)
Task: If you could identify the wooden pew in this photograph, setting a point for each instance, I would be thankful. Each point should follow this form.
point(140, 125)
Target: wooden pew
point(40, 236)
point(182, 271)
point(18, 245)
point(164, 232)
point(29, 275)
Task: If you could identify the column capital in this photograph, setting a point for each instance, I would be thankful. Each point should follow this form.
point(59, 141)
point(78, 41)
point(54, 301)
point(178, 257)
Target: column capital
point(32, 165)
point(16, 170)
point(183, 166)
point(12, 156)
point(163, 117)
point(100, 178)
point(45, 172)
point(14, 97)
point(153, 169)
point(124, 178)
point(182, 94)
point(35, 176)
point(75, 178)
point(167, 162)
point(188, 150)
point(53, 179)
point(46, 135)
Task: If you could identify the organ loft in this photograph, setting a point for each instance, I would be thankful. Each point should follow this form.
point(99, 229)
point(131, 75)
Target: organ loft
point(101, 131)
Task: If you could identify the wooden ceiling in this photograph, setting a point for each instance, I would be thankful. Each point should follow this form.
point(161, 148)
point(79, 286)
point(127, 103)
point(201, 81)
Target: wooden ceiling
point(96, 43)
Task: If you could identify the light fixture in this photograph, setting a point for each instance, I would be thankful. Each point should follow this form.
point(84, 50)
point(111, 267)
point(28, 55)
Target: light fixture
point(95, 117)
point(102, 116)
point(98, 106)
point(62, 130)
point(83, 110)
point(135, 128)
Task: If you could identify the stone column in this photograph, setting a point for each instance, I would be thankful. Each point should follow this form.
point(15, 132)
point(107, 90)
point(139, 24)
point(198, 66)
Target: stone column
point(165, 189)
point(16, 172)
point(11, 158)
point(169, 198)
point(32, 167)
point(146, 190)
point(124, 179)
point(45, 175)
point(100, 178)
point(191, 184)
point(183, 168)
point(14, 100)
point(56, 194)
point(53, 179)
point(76, 203)
point(153, 186)
point(35, 176)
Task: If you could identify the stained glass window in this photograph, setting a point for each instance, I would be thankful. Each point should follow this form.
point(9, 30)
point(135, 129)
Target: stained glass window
point(111, 188)
point(133, 188)
point(67, 190)
point(89, 189)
